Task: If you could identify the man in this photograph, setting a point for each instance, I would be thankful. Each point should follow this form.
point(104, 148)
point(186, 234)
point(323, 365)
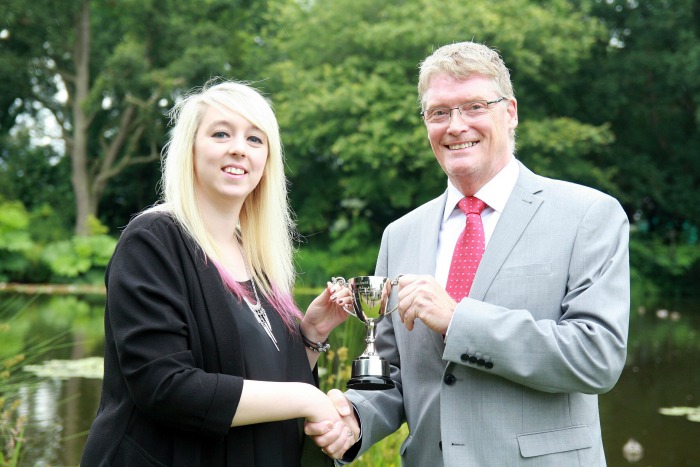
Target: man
point(508, 375)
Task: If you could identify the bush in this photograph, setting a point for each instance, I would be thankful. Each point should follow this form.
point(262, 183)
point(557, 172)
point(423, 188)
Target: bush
point(80, 259)
point(25, 259)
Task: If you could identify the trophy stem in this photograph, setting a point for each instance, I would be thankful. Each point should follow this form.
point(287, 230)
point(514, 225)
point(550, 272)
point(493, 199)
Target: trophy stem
point(370, 339)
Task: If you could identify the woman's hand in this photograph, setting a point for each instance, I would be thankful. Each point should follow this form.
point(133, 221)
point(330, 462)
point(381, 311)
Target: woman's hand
point(334, 424)
point(326, 312)
point(335, 438)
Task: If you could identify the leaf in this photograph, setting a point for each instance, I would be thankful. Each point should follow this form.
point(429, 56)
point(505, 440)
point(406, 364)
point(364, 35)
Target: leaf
point(691, 413)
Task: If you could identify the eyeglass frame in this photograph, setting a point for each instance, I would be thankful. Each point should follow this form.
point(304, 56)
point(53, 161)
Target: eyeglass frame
point(449, 119)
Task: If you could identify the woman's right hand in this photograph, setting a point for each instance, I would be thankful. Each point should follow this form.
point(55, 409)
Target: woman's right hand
point(334, 437)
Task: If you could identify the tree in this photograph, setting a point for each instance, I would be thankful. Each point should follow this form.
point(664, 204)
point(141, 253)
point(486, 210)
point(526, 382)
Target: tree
point(641, 81)
point(107, 70)
point(343, 75)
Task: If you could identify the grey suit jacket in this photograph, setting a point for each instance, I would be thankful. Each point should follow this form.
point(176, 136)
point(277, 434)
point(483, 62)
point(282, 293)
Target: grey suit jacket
point(543, 331)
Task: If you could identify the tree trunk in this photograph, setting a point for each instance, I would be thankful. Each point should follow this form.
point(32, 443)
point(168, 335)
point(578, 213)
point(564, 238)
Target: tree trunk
point(85, 206)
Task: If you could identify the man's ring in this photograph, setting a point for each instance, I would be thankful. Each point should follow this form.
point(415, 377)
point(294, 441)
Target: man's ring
point(350, 434)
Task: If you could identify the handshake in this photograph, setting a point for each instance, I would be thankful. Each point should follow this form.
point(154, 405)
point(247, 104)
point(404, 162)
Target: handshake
point(333, 427)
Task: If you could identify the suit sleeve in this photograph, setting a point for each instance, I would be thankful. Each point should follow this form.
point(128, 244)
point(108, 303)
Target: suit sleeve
point(151, 322)
point(583, 349)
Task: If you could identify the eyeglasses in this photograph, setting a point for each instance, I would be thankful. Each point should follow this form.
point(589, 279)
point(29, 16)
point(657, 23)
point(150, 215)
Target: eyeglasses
point(468, 109)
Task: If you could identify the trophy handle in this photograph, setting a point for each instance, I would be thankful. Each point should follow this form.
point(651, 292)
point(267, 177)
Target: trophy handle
point(394, 283)
point(350, 309)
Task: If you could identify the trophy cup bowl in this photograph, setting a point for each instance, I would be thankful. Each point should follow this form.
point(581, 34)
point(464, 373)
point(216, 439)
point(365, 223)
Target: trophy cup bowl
point(370, 300)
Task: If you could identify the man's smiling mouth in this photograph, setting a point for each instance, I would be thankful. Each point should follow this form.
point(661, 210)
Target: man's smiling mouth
point(462, 145)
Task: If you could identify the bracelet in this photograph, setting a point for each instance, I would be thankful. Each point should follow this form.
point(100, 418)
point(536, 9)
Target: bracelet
point(315, 346)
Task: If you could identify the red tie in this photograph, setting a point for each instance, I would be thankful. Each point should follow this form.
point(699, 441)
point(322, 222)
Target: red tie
point(468, 250)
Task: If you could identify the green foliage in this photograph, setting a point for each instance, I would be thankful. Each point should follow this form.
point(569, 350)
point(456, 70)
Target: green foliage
point(108, 85)
point(605, 89)
point(80, 256)
point(22, 259)
point(349, 112)
point(16, 245)
point(13, 223)
point(664, 266)
point(562, 148)
point(35, 173)
point(641, 81)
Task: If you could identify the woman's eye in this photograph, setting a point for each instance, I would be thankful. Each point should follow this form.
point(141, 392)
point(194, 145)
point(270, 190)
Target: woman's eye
point(219, 134)
point(255, 139)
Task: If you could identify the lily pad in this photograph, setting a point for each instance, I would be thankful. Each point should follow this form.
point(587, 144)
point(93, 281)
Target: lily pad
point(92, 367)
point(691, 413)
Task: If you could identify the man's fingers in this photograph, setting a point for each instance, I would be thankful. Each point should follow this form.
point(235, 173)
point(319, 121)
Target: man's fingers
point(343, 439)
point(342, 405)
point(332, 442)
point(317, 428)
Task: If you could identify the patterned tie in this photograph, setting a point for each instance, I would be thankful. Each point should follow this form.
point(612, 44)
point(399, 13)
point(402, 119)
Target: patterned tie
point(468, 250)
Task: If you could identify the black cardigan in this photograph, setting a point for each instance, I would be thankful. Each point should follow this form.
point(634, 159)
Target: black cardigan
point(170, 342)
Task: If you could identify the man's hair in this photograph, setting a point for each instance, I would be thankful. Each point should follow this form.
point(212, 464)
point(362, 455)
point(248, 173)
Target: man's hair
point(461, 60)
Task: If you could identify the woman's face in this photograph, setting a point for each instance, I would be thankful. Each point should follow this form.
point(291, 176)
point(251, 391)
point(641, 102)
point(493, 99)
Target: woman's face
point(230, 154)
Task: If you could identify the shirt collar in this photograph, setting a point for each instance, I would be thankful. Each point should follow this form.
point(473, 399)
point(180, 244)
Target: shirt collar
point(495, 193)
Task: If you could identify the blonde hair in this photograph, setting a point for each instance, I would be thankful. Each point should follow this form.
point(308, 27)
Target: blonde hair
point(461, 60)
point(266, 227)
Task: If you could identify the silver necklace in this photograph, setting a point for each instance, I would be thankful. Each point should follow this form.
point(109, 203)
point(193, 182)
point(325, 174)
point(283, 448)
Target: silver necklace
point(257, 308)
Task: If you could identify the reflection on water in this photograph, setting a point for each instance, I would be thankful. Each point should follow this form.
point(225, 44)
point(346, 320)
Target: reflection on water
point(662, 372)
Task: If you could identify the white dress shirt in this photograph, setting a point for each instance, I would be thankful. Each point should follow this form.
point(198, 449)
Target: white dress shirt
point(495, 194)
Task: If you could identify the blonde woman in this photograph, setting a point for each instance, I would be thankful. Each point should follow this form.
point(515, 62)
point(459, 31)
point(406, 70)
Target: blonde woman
point(208, 361)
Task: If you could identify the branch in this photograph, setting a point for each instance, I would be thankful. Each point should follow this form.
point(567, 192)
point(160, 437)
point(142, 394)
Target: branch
point(122, 134)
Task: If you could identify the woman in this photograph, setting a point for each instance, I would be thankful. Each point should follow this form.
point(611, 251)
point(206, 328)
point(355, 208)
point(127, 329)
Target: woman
point(207, 359)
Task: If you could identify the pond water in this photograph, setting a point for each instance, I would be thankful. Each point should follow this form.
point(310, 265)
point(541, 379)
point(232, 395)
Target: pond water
point(662, 373)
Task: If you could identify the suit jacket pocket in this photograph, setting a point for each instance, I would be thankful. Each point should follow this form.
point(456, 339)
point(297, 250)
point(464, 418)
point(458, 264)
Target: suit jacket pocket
point(560, 440)
point(539, 269)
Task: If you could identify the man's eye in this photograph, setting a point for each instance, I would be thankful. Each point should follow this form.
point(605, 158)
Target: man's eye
point(439, 112)
point(475, 106)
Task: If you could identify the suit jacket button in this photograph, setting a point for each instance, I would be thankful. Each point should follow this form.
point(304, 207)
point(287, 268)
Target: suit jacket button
point(464, 357)
point(488, 365)
point(450, 379)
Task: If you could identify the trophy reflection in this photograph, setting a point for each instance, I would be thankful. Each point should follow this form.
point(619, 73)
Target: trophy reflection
point(370, 299)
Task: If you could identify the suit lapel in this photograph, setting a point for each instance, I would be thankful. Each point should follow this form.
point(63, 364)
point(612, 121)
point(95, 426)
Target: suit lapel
point(430, 230)
point(517, 214)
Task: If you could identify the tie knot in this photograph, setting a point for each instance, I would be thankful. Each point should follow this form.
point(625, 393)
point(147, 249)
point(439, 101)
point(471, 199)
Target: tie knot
point(471, 205)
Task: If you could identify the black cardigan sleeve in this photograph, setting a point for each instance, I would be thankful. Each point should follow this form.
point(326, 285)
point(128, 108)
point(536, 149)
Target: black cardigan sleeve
point(157, 333)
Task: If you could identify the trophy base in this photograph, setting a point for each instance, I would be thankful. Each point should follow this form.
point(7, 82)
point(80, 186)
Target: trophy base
point(371, 383)
point(370, 374)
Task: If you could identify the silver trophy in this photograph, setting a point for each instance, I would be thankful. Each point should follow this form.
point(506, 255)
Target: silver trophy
point(370, 300)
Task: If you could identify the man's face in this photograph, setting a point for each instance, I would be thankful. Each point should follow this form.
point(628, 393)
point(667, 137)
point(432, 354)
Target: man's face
point(471, 150)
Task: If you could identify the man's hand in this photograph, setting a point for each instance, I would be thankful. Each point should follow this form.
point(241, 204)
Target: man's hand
point(336, 438)
point(421, 297)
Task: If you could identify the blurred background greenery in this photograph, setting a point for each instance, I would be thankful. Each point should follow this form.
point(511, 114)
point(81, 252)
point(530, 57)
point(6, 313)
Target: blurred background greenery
point(607, 90)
